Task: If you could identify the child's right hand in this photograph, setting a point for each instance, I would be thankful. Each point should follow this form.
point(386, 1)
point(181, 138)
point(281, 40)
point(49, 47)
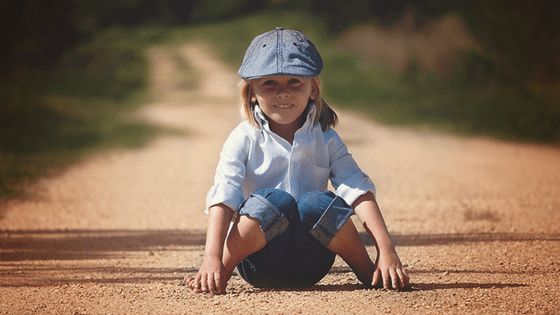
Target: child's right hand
point(211, 278)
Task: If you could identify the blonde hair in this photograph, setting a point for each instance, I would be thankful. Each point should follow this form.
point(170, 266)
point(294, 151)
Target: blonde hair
point(325, 114)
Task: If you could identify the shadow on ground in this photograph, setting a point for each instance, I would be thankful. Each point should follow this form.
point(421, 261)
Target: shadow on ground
point(89, 244)
point(444, 286)
point(92, 244)
point(445, 239)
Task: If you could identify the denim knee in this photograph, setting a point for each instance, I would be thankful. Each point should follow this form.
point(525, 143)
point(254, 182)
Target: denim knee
point(323, 213)
point(282, 200)
point(312, 205)
point(273, 208)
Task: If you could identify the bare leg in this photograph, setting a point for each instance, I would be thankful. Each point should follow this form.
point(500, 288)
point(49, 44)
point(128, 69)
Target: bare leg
point(245, 238)
point(348, 245)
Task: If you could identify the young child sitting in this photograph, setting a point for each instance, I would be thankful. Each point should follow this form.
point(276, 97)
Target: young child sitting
point(272, 179)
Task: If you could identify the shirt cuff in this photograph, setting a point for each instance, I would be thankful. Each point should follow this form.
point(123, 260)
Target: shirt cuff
point(226, 194)
point(354, 187)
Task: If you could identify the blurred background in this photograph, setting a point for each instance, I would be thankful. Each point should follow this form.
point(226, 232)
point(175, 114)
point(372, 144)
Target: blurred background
point(71, 71)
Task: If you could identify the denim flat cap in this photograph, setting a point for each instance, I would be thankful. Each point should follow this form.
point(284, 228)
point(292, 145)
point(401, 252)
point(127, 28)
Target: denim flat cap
point(281, 52)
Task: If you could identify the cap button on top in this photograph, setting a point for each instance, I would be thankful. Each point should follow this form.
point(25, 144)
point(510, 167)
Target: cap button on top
point(279, 28)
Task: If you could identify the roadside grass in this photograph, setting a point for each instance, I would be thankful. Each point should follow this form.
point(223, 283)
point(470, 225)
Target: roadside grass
point(507, 111)
point(52, 118)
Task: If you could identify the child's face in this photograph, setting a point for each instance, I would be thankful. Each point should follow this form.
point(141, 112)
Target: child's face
point(283, 98)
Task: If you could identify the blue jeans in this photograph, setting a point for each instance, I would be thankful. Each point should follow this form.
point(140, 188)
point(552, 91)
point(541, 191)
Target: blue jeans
point(297, 234)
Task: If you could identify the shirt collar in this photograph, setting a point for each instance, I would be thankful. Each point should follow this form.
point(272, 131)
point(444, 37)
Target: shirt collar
point(263, 122)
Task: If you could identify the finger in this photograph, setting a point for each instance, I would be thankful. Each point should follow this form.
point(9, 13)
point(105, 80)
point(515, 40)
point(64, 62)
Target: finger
point(189, 282)
point(220, 289)
point(386, 280)
point(403, 278)
point(223, 287)
point(190, 279)
point(375, 278)
point(211, 284)
point(394, 279)
point(204, 283)
point(196, 282)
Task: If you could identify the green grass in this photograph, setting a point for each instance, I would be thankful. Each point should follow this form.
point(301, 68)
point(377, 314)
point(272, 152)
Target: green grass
point(493, 109)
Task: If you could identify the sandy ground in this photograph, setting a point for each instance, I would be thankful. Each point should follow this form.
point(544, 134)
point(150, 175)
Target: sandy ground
point(475, 221)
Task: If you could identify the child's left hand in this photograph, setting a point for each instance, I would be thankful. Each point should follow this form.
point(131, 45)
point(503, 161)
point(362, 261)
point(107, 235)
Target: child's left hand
point(389, 271)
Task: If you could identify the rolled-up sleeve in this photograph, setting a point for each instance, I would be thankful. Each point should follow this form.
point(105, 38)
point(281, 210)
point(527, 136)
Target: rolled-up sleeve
point(230, 172)
point(346, 176)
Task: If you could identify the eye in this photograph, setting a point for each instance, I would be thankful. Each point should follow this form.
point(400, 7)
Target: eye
point(294, 81)
point(269, 82)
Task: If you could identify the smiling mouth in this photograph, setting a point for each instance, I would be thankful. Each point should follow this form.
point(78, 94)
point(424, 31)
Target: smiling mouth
point(283, 106)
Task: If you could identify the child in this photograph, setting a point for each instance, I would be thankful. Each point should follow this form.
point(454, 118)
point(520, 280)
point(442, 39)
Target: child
point(272, 177)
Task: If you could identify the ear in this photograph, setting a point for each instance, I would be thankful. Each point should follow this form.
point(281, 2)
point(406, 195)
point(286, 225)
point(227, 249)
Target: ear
point(251, 96)
point(314, 91)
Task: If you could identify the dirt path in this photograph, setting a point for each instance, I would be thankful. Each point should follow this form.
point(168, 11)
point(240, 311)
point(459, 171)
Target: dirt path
point(475, 221)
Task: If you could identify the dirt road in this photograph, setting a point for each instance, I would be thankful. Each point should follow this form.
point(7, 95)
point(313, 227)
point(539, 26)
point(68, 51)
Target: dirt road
point(475, 221)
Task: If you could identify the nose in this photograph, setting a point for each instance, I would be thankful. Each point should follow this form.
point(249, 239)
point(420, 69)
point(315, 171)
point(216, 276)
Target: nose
point(282, 92)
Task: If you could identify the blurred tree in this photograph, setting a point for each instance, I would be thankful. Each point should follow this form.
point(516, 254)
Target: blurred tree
point(523, 36)
point(341, 14)
point(89, 16)
point(213, 10)
point(36, 32)
point(33, 32)
point(182, 9)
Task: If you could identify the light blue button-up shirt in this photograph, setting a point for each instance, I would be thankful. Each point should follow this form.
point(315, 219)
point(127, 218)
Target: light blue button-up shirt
point(253, 159)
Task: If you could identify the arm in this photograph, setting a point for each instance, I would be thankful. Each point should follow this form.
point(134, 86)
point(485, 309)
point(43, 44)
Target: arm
point(227, 190)
point(388, 266)
point(211, 276)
